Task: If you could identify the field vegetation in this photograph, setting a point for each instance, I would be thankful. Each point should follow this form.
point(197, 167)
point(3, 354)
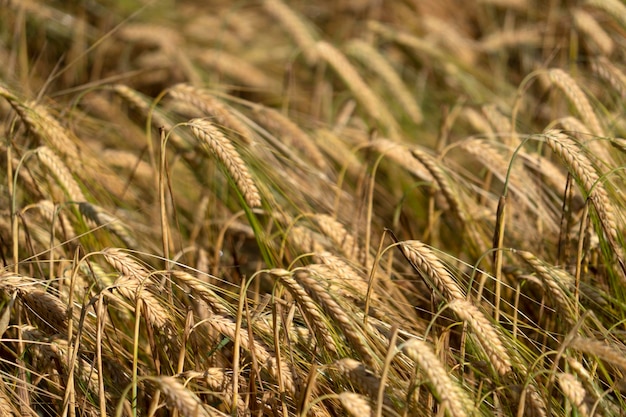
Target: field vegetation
point(329, 208)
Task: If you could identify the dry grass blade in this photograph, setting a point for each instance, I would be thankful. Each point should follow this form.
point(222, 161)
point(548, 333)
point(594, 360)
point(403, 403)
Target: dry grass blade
point(217, 144)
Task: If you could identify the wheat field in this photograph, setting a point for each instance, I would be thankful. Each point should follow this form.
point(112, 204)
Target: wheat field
point(334, 208)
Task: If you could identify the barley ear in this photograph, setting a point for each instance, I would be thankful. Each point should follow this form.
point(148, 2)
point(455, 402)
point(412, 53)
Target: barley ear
point(214, 142)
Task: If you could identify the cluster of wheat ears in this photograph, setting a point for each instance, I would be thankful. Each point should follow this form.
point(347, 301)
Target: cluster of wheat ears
point(292, 208)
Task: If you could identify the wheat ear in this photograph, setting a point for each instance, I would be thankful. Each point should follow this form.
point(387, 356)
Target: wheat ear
point(615, 8)
point(101, 218)
point(61, 172)
point(338, 234)
point(200, 289)
point(309, 308)
point(568, 85)
point(355, 404)
point(592, 30)
point(214, 142)
point(182, 399)
point(424, 260)
point(208, 105)
point(607, 71)
point(295, 26)
point(48, 310)
point(48, 129)
point(290, 133)
point(372, 104)
point(449, 393)
point(227, 327)
point(338, 313)
point(371, 58)
point(574, 391)
point(485, 332)
point(402, 155)
point(585, 173)
point(614, 355)
point(440, 177)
